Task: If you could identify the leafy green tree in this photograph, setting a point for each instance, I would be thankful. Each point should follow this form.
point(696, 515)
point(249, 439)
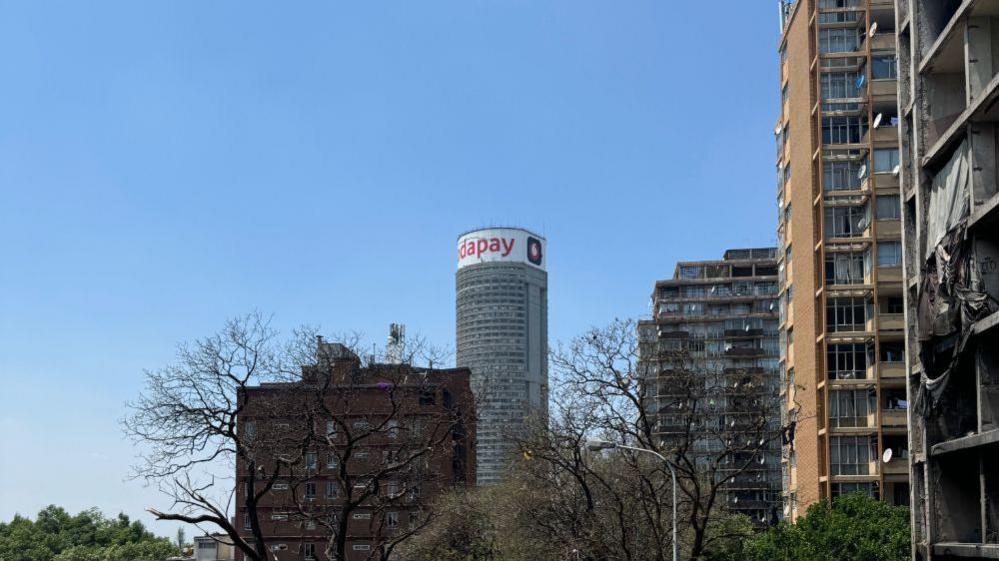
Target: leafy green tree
point(851, 528)
point(55, 535)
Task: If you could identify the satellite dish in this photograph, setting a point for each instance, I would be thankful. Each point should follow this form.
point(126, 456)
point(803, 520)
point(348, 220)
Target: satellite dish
point(863, 171)
point(874, 29)
point(886, 457)
point(877, 119)
point(735, 500)
point(896, 169)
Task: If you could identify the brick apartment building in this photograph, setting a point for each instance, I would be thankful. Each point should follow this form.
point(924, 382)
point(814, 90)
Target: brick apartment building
point(349, 457)
point(839, 235)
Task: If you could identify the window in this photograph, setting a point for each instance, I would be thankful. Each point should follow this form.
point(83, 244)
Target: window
point(693, 309)
point(851, 455)
point(247, 523)
point(839, 85)
point(847, 268)
point(280, 487)
point(311, 462)
point(393, 429)
point(889, 254)
point(846, 314)
point(361, 425)
point(691, 272)
point(847, 361)
point(888, 207)
point(361, 547)
point(834, 4)
point(332, 461)
point(838, 17)
point(310, 491)
point(693, 291)
point(838, 40)
point(892, 352)
point(331, 490)
point(392, 520)
point(250, 428)
point(885, 160)
point(868, 488)
point(279, 517)
point(841, 175)
point(893, 305)
point(331, 430)
point(361, 516)
point(309, 550)
point(851, 408)
point(884, 67)
point(207, 545)
point(843, 130)
point(846, 221)
point(427, 397)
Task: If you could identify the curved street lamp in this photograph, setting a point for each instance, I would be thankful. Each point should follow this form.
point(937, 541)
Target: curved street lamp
point(598, 445)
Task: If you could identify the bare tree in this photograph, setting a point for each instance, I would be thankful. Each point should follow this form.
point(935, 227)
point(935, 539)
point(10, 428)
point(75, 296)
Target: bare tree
point(717, 426)
point(243, 402)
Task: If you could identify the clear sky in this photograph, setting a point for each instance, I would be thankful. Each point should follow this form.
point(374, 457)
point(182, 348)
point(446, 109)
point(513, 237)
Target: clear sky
point(165, 165)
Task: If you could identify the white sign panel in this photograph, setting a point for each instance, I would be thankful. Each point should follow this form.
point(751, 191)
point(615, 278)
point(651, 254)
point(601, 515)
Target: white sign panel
point(501, 244)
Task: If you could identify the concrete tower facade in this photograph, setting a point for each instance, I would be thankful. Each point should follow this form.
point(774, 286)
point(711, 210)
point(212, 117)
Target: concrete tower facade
point(501, 309)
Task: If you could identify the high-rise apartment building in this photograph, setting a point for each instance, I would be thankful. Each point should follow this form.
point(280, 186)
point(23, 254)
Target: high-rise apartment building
point(501, 309)
point(949, 86)
point(717, 321)
point(840, 251)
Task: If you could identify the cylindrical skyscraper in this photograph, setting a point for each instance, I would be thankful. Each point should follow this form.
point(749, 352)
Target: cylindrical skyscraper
point(502, 336)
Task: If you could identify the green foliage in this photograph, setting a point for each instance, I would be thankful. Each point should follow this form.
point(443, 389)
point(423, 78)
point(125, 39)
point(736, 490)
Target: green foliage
point(55, 535)
point(727, 537)
point(853, 528)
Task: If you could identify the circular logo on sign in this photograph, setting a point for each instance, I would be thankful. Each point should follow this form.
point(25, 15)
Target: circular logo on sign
point(534, 250)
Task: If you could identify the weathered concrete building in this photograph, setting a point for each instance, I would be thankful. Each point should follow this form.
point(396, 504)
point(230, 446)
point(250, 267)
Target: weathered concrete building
point(718, 320)
point(948, 89)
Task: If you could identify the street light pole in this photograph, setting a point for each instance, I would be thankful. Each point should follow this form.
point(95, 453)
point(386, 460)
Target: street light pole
point(597, 445)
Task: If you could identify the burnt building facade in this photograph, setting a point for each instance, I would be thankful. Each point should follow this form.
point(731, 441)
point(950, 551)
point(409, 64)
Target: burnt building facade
point(948, 87)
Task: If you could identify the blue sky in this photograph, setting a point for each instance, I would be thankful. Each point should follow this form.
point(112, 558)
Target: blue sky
point(166, 165)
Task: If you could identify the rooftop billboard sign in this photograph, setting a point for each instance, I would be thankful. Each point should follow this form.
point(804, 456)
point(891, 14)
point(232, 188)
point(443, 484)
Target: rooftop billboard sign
point(501, 245)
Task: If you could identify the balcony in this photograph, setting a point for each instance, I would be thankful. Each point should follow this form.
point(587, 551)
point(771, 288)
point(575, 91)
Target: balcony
point(891, 322)
point(890, 274)
point(897, 466)
point(859, 377)
point(883, 89)
point(894, 418)
point(882, 41)
point(892, 370)
point(886, 181)
point(885, 134)
point(889, 229)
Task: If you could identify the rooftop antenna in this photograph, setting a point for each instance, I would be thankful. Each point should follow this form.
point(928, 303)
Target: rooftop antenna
point(396, 345)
